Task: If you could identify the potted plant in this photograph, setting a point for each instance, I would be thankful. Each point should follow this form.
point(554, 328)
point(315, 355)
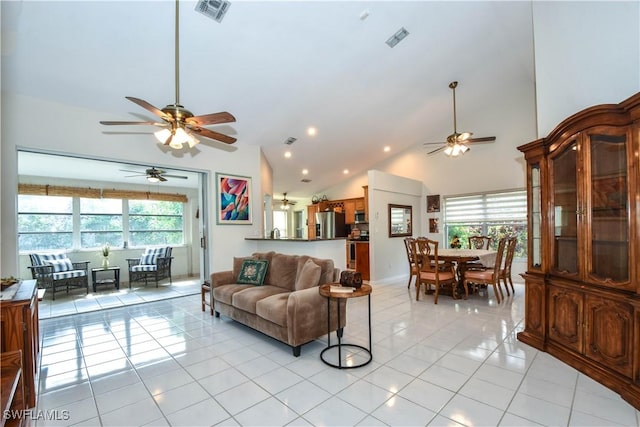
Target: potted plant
point(106, 249)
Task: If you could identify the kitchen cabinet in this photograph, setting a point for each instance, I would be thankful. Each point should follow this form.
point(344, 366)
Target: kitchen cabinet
point(350, 211)
point(366, 202)
point(19, 330)
point(582, 284)
point(358, 257)
point(311, 220)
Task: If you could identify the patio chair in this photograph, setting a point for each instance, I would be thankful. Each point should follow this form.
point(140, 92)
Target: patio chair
point(55, 270)
point(154, 264)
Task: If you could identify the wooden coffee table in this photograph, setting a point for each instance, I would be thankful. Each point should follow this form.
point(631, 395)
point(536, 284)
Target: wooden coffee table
point(325, 291)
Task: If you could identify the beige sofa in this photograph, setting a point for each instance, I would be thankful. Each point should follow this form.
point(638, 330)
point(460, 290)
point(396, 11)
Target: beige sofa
point(287, 306)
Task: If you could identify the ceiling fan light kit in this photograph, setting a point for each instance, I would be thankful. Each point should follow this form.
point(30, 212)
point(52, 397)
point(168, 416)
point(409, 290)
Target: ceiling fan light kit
point(456, 144)
point(179, 123)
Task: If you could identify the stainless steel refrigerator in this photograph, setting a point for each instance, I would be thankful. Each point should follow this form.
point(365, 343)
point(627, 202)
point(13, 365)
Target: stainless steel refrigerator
point(330, 225)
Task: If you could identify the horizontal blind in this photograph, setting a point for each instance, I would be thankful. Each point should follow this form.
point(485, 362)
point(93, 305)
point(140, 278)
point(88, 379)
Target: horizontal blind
point(96, 193)
point(490, 207)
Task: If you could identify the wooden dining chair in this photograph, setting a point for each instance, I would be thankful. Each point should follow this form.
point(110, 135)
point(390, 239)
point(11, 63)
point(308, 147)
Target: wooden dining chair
point(505, 272)
point(413, 268)
point(490, 276)
point(479, 242)
point(432, 270)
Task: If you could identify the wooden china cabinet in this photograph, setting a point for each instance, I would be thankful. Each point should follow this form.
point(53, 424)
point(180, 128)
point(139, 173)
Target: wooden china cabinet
point(583, 273)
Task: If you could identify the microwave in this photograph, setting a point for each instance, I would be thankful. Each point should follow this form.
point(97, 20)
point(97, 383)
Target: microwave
point(359, 217)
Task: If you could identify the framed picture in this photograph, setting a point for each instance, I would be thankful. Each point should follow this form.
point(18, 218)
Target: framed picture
point(234, 199)
point(433, 203)
point(433, 225)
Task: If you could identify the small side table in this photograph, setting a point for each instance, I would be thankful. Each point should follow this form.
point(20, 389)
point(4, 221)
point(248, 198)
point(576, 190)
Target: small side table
point(206, 289)
point(325, 291)
point(115, 281)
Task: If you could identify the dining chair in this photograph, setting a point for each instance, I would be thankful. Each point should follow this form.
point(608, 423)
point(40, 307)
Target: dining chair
point(432, 270)
point(490, 276)
point(413, 268)
point(478, 242)
point(505, 272)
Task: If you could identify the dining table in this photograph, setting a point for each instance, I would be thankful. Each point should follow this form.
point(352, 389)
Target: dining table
point(460, 257)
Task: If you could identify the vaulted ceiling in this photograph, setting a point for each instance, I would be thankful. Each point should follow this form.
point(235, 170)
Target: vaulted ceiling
point(281, 67)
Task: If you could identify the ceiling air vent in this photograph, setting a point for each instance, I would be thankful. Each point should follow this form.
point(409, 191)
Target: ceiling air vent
point(214, 9)
point(290, 140)
point(397, 37)
point(305, 180)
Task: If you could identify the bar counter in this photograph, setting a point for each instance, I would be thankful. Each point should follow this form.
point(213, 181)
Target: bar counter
point(334, 249)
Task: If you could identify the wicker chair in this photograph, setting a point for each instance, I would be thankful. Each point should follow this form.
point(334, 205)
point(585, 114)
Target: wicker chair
point(154, 264)
point(55, 271)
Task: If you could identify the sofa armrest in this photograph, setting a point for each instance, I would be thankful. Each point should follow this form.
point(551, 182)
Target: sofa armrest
point(307, 315)
point(220, 278)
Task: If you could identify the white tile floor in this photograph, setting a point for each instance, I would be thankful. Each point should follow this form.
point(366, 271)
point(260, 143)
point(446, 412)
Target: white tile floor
point(455, 363)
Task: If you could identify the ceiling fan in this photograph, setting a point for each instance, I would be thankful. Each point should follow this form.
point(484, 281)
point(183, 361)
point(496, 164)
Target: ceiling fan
point(179, 123)
point(153, 174)
point(456, 143)
point(286, 203)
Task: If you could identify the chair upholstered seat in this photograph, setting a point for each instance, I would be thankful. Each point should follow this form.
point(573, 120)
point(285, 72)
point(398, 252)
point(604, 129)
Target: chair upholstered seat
point(55, 270)
point(154, 264)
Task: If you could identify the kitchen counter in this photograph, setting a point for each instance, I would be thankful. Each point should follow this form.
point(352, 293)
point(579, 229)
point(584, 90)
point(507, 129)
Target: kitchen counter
point(318, 248)
point(292, 239)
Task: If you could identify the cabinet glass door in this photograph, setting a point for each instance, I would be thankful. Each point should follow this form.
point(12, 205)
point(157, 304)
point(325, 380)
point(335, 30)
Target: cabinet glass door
point(535, 218)
point(609, 206)
point(565, 202)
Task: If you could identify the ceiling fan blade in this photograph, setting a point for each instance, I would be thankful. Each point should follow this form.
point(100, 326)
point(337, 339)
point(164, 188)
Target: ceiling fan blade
point(119, 123)
point(174, 176)
point(161, 178)
point(144, 104)
point(211, 119)
point(208, 133)
point(433, 143)
point(133, 176)
point(437, 149)
point(483, 139)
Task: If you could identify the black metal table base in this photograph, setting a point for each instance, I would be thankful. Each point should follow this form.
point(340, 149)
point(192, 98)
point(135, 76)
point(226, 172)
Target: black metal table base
point(342, 345)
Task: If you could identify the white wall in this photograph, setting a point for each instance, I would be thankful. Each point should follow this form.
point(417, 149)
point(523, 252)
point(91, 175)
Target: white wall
point(62, 129)
point(388, 257)
point(587, 53)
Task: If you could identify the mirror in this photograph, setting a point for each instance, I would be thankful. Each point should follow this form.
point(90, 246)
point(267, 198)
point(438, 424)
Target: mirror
point(400, 220)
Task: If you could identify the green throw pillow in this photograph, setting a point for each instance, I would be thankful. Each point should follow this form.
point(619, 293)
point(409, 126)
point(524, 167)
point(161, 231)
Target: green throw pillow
point(253, 271)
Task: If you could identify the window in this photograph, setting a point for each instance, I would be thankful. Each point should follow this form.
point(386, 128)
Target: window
point(154, 222)
point(101, 223)
point(280, 219)
point(496, 215)
point(72, 222)
point(45, 222)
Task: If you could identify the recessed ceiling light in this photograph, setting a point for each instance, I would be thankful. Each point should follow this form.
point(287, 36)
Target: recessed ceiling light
point(346, 171)
point(387, 149)
point(311, 131)
point(287, 154)
point(305, 171)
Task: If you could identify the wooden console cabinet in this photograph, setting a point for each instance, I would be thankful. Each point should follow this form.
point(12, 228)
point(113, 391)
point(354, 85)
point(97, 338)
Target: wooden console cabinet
point(582, 281)
point(19, 330)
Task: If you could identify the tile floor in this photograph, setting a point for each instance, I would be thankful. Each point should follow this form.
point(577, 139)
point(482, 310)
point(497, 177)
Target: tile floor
point(77, 301)
point(455, 363)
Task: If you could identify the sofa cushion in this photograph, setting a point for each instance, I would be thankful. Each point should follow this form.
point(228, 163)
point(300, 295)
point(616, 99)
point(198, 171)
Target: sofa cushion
point(326, 266)
point(283, 271)
point(308, 274)
point(247, 299)
point(274, 308)
point(253, 271)
point(224, 293)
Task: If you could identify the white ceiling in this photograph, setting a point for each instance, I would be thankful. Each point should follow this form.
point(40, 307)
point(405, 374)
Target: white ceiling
point(280, 67)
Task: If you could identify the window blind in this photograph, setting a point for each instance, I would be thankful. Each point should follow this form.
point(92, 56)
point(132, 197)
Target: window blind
point(490, 207)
